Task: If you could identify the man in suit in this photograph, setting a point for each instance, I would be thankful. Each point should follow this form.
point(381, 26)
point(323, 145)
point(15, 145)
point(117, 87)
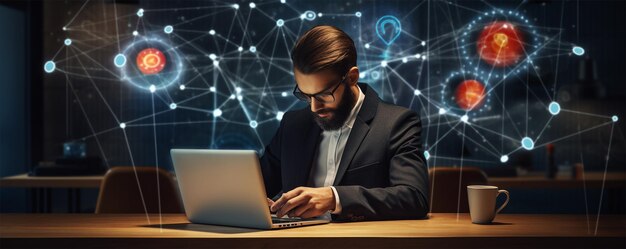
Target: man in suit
point(348, 153)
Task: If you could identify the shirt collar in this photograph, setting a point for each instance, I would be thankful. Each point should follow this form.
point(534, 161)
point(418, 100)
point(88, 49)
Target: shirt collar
point(355, 110)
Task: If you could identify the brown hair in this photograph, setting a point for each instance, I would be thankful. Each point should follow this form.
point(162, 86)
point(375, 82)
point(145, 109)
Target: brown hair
point(324, 47)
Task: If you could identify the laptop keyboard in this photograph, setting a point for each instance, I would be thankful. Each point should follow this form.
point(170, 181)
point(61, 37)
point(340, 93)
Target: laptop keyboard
point(285, 220)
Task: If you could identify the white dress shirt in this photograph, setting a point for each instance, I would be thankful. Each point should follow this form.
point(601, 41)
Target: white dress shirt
point(328, 155)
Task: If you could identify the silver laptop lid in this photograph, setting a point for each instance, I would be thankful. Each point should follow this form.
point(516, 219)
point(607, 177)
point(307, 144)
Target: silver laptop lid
point(222, 187)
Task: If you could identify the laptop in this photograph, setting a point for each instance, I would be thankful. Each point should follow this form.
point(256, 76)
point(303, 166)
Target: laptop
point(225, 187)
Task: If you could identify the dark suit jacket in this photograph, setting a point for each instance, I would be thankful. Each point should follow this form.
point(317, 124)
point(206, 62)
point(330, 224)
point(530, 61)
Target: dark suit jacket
point(382, 173)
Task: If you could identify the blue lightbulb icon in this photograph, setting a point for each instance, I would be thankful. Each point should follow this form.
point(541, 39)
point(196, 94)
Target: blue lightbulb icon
point(383, 34)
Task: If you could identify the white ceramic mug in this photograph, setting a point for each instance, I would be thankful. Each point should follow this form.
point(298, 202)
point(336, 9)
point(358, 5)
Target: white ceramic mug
point(482, 202)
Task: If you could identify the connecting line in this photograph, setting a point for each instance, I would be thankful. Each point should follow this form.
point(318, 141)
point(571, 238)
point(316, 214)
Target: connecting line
point(606, 164)
point(132, 161)
point(82, 109)
point(99, 93)
point(458, 203)
point(156, 159)
point(574, 134)
point(117, 33)
point(556, 75)
point(78, 12)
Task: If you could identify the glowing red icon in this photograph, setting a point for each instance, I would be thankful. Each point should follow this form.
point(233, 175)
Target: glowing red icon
point(150, 61)
point(500, 44)
point(469, 94)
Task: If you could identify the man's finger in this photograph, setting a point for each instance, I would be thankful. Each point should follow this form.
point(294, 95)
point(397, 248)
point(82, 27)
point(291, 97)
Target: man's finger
point(291, 204)
point(299, 210)
point(284, 198)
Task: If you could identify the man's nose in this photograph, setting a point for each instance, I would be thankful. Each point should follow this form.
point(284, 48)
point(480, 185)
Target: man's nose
point(316, 105)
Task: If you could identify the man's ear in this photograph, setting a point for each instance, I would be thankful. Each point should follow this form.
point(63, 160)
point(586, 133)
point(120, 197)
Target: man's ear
point(353, 76)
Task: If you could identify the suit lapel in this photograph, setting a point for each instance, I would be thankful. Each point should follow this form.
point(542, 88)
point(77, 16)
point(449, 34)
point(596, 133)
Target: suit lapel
point(358, 133)
point(359, 130)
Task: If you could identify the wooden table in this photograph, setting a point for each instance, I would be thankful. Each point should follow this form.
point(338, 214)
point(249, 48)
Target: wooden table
point(26, 181)
point(440, 231)
point(40, 188)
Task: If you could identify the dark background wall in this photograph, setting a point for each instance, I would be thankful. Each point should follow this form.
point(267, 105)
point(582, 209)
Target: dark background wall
point(598, 26)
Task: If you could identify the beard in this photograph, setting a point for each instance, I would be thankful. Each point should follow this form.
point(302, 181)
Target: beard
point(340, 115)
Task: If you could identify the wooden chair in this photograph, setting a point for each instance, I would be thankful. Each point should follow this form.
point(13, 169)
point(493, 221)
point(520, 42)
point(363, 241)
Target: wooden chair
point(444, 187)
point(119, 191)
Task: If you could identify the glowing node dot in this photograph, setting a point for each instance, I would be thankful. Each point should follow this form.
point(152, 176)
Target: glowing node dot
point(578, 50)
point(358, 14)
point(119, 60)
point(217, 112)
point(527, 143)
point(284, 94)
point(123, 125)
point(212, 56)
point(309, 15)
point(216, 63)
point(140, 12)
point(504, 158)
point(235, 6)
point(614, 118)
point(67, 42)
point(152, 88)
point(232, 96)
point(254, 124)
point(383, 63)
point(423, 43)
point(367, 45)
point(405, 60)
point(252, 5)
point(182, 87)
point(361, 75)
point(283, 1)
point(417, 56)
point(319, 14)
point(465, 118)
point(212, 32)
point(64, 28)
point(212, 89)
point(252, 49)
point(173, 106)
point(375, 75)
point(135, 33)
point(168, 29)
point(442, 111)
point(426, 154)
point(239, 97)
point(49, 66)
point(238, 89)
point(417, 92)
point(554, 108)
point(280, 22)
point(279, 115)
point(240, 49)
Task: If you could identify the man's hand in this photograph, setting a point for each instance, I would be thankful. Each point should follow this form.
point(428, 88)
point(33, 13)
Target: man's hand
point(304, 202)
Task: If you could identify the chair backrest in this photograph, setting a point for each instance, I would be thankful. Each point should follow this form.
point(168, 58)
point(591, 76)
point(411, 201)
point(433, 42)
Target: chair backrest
point(444, 187)
point(119, 191)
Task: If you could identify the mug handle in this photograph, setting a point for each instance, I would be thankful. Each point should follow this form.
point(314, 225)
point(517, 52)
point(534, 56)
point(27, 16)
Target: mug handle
point(505, 202)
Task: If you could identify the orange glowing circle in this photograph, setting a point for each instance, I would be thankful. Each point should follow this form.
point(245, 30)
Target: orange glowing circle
point(150, 61)
point(470, 94)
point(500, 44)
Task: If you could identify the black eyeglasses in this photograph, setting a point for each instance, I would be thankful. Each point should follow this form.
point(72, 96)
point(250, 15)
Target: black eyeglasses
point(324, 96)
